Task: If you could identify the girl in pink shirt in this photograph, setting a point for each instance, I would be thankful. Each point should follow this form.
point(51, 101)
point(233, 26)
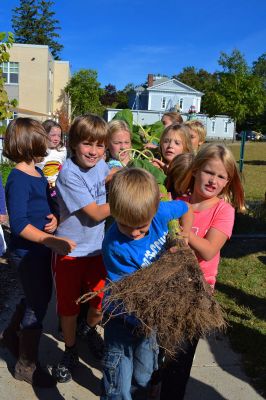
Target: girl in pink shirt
point(216, 191)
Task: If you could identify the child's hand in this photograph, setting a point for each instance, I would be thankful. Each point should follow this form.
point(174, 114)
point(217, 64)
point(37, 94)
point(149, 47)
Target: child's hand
point(150, 146)
point(51, 226)
point(3, 218)
point(59, 245)
point(159, 164)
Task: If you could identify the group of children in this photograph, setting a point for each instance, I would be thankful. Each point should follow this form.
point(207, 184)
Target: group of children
point(72, 237)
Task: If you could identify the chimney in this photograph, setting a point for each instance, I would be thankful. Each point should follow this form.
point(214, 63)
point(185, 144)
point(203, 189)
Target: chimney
point(150, 80)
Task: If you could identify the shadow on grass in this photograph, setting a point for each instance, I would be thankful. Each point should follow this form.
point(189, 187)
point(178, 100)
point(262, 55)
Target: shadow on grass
point(245, 223)
point(254, 162)
point(238, 247)
point(256, 304)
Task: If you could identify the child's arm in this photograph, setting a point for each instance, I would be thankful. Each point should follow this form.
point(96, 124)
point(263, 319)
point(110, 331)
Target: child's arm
point(208, 246)
point(97, 212)
point(186, 223)
point(61, 246)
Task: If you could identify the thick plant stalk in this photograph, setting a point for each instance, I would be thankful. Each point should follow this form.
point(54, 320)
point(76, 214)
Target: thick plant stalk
point(170, 296)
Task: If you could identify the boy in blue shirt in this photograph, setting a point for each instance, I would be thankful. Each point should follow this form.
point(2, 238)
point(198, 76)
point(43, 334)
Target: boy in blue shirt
point(82, 203)
point(135, 240)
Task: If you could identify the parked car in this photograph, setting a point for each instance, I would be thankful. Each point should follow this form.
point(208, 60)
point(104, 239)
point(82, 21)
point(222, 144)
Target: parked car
point(250, 135)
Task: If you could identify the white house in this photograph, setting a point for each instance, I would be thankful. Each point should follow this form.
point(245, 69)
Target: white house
point(162, 94)
point(150, 101)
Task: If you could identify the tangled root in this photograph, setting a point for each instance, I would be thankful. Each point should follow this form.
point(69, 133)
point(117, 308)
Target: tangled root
point(170, 296)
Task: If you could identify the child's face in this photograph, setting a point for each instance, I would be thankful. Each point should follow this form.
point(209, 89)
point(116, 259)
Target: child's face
point(88, 153)
point(195, 140)
point(120, 141)
point(210, 179)
point(134, 232)
point(171, 146)
point(54, 137)
point(166, 120)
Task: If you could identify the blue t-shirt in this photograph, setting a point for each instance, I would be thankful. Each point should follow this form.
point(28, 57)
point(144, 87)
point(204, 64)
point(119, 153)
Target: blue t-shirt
point(76, 188)
point(28, 202)
point(123, 255)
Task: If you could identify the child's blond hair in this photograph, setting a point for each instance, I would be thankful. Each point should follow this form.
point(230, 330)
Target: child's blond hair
point(233, 191)
point(117, 126)
point(174, 116)
point(198, 127)
point(177, 171)
point(87, 127)
point(181, 130)
point(133, 197)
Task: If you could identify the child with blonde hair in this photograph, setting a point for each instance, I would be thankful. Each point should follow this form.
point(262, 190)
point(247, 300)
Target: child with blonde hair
point(135, 240)
point(216, 191)
point(171, 117)
point(118, 139)
point(197, 133)
point(175, 140)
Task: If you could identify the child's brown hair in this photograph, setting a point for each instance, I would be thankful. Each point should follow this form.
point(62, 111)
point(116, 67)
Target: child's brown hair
point(48, 125)
point(177, 171)
point(25, 141)
point(89, 127)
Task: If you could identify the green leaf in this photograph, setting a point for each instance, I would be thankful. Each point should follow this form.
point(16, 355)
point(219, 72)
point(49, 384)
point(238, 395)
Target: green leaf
point(125, 115)
point(145, 164)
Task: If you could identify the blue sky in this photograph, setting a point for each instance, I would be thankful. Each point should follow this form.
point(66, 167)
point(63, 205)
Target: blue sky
point(125, 40)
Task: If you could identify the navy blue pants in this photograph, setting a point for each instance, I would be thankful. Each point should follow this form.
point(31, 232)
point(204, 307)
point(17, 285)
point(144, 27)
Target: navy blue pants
point(34, 271)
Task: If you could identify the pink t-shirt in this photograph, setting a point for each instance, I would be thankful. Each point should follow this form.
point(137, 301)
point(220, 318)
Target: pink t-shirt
point(221, 217)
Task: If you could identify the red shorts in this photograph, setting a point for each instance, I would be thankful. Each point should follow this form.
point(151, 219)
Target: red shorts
point(75, 276)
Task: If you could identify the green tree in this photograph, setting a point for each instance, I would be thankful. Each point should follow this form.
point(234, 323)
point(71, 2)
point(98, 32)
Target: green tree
point(47, 27)
point(24, 21)
point(259, 68)
point(6, 42)
point(84, 92)
point(34, 22)
point(109, 96)
point(240, 94)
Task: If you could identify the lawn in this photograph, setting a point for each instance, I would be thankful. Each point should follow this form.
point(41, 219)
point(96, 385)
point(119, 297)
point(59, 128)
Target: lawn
point(254, 171)
point(241, 284)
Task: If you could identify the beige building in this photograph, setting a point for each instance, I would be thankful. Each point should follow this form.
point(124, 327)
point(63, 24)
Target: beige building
point(37, 81)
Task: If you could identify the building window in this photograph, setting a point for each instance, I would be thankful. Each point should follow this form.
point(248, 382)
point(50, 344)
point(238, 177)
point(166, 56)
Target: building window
point(163, 103)
point(181, 101)
point(213, 125)
point(226, 126)
point(10, 72)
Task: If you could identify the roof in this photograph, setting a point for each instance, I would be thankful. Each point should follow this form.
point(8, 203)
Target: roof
point(162, 83)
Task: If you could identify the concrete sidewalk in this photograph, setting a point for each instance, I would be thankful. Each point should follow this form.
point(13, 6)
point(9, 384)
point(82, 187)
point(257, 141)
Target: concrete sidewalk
point(216, 372)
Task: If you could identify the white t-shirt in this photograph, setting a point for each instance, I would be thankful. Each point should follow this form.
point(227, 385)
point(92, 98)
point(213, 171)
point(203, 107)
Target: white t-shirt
point(52, 164)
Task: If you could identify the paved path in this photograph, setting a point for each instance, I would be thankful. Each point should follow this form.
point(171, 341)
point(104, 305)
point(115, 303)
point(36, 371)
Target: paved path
point(216, 372)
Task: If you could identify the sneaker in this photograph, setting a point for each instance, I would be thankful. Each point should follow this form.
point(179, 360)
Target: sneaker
point(93, 339)
point(63, 371)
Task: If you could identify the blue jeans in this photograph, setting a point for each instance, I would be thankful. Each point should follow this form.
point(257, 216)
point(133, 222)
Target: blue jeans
point(128, 362)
